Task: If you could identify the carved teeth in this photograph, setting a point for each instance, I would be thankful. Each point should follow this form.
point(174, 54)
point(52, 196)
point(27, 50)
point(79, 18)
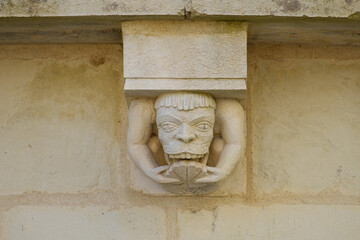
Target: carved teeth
point(186, 156)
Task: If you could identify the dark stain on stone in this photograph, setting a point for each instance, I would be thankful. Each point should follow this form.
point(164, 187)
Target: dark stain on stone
point(355, 15)
point(348, 2)
point(7, 3)
point(289, 5)
point(97, 61)
point(111, 7)
point(30, 10)
point(10, 3)
point(38, 1)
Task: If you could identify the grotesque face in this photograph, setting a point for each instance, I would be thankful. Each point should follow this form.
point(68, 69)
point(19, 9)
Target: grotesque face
point(185, 134)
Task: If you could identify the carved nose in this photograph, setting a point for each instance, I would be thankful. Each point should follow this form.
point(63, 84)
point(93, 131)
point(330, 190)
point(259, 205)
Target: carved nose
point(185, 134)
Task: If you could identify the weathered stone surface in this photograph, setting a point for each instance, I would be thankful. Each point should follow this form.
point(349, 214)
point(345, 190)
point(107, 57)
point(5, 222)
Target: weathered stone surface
point(299, 8)
point(305, 119)
point(60, 118)
point(176, 9)
point(184, 49)
point(102, 29)
point(92, 8)
point(305, 31)
point(90, 223)
point(277, 222)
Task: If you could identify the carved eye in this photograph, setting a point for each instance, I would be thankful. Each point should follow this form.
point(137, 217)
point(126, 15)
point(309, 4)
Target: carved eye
point(203, 126)
point(168, 126)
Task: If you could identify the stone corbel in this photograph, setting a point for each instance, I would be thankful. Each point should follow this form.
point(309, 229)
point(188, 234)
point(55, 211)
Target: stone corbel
point(184, 82)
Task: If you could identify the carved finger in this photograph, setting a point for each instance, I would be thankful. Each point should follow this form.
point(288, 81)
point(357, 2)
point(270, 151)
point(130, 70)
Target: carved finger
point(160, 169)
point(208, 179)
point(213, 170)
point(165, 180)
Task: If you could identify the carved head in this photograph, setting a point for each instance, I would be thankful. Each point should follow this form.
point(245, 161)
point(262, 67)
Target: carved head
point(185, 122)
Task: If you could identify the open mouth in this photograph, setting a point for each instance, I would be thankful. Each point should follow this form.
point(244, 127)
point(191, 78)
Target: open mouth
point(170, 158)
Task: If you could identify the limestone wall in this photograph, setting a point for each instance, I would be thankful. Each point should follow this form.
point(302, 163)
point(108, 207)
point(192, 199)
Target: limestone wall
point(65, 174)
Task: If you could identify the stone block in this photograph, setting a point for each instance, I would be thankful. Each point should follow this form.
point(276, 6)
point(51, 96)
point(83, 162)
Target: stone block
point(184, 49)
point(91, 223)
point(199, 9)
point(277, 222)
point(305, 119)
point(297, 8)
point(60, 118)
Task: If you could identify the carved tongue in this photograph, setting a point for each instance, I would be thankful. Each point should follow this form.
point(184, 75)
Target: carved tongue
point(185, 156)
point(186, 171)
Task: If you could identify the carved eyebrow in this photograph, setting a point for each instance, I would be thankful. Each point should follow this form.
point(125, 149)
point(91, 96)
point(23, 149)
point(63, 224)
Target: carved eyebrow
point(169, 118)
point(200, 119)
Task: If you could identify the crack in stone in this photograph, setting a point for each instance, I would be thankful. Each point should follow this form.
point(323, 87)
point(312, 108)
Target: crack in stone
point(188, 9)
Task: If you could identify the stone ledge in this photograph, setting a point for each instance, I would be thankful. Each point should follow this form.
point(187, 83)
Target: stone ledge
point(218, 88)
point(178, 9)
point(106, 29)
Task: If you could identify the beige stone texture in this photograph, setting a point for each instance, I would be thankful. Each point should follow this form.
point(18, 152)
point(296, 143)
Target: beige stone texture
point(277, 222)
point(304, 116)
point(177, 8)
point(184, 49)
point(84, 8)
point(90, 223)
point(218, 88)
point(62, 118)
point(295, 8)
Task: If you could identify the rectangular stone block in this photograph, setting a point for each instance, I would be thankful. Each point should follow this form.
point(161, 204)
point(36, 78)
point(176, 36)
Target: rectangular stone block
point(90, 223)
point(305, 119)
point(277, 222)
point(60, 118)
point(184, 49)
point(200, 9)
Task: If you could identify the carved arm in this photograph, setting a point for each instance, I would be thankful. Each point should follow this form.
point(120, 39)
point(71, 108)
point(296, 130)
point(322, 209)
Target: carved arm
point(141, 119)
point(231, 117)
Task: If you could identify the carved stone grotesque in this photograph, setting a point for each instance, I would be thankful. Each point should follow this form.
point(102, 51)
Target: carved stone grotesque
point(187, 142)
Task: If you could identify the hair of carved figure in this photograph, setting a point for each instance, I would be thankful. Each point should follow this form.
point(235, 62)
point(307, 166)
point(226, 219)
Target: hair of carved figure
point(185, 101)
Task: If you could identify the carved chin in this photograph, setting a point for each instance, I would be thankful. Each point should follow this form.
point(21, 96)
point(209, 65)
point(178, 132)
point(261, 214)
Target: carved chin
point(171, 158)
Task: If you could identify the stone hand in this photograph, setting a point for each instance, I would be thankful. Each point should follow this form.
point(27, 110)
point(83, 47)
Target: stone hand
point(214, 175)
point(156, 174)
